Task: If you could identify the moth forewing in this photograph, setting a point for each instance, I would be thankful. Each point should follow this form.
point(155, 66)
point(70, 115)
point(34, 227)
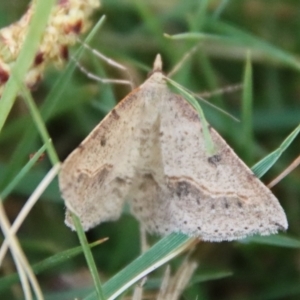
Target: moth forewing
point(97, 175)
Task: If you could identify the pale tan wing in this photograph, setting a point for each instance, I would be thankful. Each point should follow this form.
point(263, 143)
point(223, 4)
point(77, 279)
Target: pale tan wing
point(97, 175)
point(215, 198)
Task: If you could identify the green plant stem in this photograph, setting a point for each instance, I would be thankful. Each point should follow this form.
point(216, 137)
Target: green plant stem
point(89, 257)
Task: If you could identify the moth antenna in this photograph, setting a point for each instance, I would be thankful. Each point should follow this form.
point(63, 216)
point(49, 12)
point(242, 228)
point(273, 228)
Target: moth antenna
point(105, 58)
point(201, 96)
point(110, 62)
point(211, 105)
point(98, 78)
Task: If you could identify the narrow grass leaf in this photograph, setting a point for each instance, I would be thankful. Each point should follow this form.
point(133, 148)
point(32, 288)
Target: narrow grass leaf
point(40, 125)
point(75, 293)
point(247, 100)
point(201, 11)
point(15, 181)
point(48, 263)
point(152, 24)
point(275, 240)
point(266, 163)
point(31, 180)
point(254, 42)
point(163, 251)
point(16, 126)
point(285, 289)
point(207, 138)
point(202, 276)
point(202, 37)
point(89, 257)
point(232, 35)
point(210, 275)
point(219, 10)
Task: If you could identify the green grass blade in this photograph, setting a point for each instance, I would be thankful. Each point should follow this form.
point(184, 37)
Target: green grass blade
point(201, 276)
point(212, 275)
point(200, 36)
point(286, 289)
point(265, 164)
point(89, 257)
point(234, 36)
point(274, 240)
point(200, 15)
point(242, 37)
point(163, 251)
point(46, 264)
point(36, 116)
point(75, 293)
point(219, 10)
point(247, 100)
point(9, 188)
point(207, 138)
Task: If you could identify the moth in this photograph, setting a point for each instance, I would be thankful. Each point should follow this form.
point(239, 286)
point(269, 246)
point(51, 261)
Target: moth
point(150, 151)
